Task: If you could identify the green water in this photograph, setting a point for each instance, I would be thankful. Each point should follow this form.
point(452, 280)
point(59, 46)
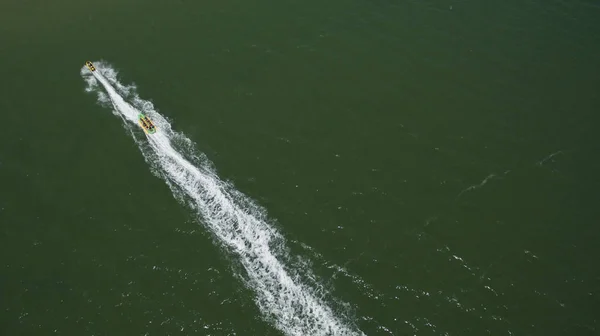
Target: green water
point(434, 162)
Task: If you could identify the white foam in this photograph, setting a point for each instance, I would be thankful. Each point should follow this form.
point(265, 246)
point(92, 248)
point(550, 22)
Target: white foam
point(236, 221)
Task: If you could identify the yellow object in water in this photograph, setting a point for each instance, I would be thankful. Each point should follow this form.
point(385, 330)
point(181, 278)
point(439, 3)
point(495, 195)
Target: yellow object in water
point(90, 66)
point(146, 124)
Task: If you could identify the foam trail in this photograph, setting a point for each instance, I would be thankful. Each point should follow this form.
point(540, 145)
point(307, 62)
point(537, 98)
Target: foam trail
point(284, 299)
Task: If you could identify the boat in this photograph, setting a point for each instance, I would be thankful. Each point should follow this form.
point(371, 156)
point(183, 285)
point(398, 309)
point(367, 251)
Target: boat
point(146, 124)
point(90, 66)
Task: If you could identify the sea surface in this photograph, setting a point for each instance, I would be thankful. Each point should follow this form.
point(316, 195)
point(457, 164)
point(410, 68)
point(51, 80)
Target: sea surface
point(320, 168)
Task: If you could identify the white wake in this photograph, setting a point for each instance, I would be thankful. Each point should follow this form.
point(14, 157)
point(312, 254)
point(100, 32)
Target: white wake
point(239, 224)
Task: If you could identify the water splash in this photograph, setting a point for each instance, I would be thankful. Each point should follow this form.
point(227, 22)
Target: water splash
point(282, 294)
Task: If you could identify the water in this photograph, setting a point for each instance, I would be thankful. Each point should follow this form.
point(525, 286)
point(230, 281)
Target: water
point(365, 167)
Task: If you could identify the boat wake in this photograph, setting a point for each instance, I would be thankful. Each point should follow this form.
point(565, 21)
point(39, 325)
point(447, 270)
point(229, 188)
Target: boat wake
point(284, 296)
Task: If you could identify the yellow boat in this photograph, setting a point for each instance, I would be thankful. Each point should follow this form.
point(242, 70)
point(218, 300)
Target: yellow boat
point(146, 124)
point(90, 66)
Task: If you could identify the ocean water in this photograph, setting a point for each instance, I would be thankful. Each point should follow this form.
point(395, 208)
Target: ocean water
point(339, 168)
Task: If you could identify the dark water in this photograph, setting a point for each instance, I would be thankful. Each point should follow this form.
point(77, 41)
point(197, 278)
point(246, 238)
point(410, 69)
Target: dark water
point(433, 163)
